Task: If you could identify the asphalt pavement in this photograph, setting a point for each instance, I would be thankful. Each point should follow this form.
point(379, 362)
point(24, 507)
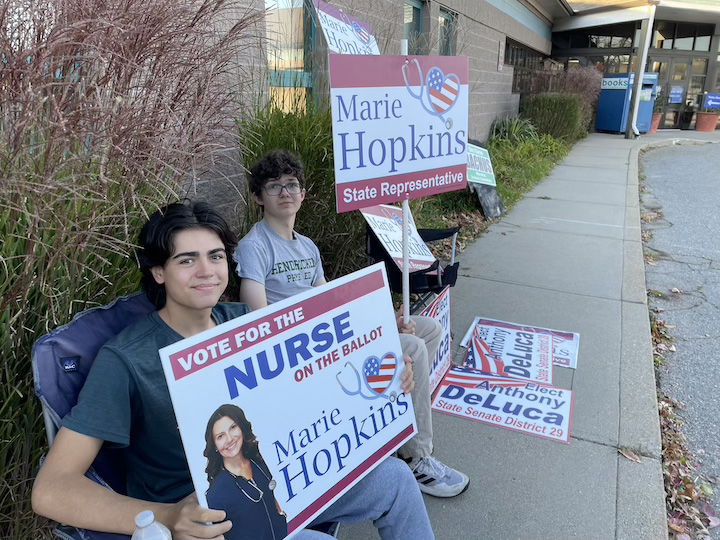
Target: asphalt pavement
point(681, 186)
point(569, 257)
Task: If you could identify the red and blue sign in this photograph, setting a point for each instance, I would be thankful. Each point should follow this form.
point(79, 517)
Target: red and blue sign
point(400, 127)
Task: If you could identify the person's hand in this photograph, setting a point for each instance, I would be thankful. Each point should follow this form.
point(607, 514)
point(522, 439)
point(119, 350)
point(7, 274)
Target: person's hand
point(403, 328)
point(407, 382)
point(191, 520)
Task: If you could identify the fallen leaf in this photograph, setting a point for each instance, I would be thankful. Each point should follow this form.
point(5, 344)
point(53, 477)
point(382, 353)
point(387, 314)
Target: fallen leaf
point(676, 528)
point(629, 454)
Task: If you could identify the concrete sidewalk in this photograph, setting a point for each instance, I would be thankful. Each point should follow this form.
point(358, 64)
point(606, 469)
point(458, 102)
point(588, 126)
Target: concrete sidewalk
point(569, 257)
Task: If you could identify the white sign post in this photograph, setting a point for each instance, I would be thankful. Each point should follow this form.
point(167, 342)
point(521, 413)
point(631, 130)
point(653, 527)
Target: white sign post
point(318, 377)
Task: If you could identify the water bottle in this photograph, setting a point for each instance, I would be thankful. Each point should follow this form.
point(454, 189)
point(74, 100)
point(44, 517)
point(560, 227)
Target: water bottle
point(149, 529)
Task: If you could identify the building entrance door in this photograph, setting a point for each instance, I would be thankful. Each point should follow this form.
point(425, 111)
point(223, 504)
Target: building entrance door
point(673, 79)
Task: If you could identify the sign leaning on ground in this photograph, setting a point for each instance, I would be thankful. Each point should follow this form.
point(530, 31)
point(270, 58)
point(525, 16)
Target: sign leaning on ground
point(332, 355)
point(480, 169)
point(439, 309)
point(345, 34)
point(481, 179)
point(387, 223)
point(400, 127)
point(498, 350)
point(565, 345)
point(536, 409)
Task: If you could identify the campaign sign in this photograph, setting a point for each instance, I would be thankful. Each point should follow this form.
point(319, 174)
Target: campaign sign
point(565, 345)
point(387, 224)
point(439, 309)
point(536, 409)
point(480, 169)
point(345, 34)
point(400, 126)
point(509, 352)
point(317, 378)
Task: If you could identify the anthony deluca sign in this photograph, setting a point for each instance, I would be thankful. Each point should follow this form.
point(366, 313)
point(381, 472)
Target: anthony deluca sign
point(317, 375)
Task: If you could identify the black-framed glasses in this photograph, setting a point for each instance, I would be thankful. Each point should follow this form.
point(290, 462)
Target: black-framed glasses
point(293, 188)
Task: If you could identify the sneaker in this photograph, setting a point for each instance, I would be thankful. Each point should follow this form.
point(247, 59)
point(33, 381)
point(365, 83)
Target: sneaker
point(437, 479)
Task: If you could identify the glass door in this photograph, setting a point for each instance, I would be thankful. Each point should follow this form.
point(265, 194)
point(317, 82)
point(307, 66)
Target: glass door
point(673, 78)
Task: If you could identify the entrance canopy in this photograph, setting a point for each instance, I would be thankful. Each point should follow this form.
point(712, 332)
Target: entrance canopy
point(588, 14)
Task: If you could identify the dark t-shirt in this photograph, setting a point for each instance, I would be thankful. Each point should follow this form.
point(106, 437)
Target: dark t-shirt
point(251, 520)
point(125, 402)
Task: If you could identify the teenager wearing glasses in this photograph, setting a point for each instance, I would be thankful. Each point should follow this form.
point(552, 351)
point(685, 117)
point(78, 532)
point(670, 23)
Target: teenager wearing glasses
point(274, 262)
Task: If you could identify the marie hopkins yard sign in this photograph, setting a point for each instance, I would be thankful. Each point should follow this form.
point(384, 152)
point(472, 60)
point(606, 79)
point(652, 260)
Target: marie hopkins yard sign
point(400, 127)
point(318, 377)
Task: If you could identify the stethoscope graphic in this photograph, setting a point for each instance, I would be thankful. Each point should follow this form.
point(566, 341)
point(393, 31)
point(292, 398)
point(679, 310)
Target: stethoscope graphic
point(423, 96)
point(272, 484)
point(362, 387)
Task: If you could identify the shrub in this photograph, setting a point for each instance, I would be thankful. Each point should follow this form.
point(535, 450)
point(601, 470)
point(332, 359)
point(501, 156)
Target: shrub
point(584, 82)
point(104, 107)
point(308, 133)
point(513, 128)
point(561, 116)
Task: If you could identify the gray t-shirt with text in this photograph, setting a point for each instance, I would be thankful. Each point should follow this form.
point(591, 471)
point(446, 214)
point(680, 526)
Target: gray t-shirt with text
point(285, 267)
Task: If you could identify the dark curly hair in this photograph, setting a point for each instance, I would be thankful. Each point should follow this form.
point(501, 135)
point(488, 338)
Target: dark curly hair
point(273, 165)
point(156, 239)
point(249, 447)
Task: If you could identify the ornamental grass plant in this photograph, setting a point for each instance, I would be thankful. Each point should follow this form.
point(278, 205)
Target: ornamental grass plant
point(106, 111)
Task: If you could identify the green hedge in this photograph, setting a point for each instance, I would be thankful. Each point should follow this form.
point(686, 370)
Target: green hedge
point(562, 116)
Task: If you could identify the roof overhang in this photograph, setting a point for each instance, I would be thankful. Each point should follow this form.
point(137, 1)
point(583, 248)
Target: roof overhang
point(707, 11)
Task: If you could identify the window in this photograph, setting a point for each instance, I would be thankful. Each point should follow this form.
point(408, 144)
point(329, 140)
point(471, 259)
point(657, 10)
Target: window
point(664, 34)
point(524, 61)
point(447, 30)
point(413, 27)
point(290, 33)
point(683, 36)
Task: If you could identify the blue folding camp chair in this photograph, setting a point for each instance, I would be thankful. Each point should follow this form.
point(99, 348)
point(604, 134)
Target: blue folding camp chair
point(61, 361)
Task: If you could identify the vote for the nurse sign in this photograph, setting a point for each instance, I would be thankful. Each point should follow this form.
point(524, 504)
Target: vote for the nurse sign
point(400, 127)
point(310, 383)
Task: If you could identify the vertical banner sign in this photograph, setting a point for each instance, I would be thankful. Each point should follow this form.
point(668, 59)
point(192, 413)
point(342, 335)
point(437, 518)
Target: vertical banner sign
point(400, 127)
point(501, 54)
point(535, 409)
point(439, 310)
point(345, 34)
point(387, 224)
point(317, 376)
point(565, 345)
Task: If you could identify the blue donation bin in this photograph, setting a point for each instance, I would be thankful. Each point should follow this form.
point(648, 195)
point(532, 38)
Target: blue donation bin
point(614, 102)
